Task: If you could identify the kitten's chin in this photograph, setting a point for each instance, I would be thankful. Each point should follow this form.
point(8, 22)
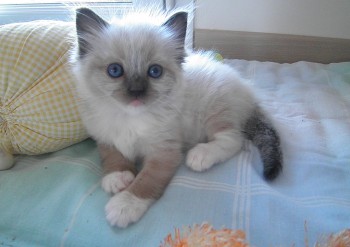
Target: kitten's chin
point(135, 106)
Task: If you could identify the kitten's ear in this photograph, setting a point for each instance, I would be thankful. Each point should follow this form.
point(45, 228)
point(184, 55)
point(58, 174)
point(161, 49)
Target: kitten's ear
point(87, 23)
point(177, 24)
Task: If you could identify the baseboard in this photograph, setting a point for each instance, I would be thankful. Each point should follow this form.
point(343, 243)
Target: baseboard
point(279, 48)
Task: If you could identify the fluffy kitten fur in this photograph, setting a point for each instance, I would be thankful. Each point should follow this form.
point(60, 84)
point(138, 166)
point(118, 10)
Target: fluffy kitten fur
point(196, 104)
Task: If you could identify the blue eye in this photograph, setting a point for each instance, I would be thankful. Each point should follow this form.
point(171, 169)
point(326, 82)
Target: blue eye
point(115, 70)
point(155, 71)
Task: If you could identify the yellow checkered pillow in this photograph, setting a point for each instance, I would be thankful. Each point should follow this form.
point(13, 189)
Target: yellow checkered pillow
point(38, 112)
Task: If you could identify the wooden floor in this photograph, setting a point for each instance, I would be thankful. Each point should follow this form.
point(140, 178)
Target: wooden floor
point(279, 48)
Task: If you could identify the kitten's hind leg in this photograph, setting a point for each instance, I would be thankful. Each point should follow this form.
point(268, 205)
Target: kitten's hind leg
point(119, 171)
point(224, 145)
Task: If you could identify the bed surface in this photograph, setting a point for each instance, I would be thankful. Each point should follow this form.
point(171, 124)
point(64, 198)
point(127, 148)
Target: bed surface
point(56, 199)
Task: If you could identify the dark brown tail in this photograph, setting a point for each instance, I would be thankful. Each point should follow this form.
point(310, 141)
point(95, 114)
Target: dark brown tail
point(260, 131)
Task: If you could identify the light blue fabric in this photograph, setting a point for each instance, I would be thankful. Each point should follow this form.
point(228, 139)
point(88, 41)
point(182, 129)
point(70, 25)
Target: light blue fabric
point(56, 199)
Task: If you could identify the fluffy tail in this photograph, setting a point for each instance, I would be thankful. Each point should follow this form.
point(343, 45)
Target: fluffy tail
point(260, 131)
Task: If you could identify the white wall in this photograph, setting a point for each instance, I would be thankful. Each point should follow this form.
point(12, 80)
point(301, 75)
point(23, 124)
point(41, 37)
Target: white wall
point(323, 18)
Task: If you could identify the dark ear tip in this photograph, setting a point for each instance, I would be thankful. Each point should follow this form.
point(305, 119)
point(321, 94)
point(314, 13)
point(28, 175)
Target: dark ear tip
point(88, 18)
point(83, 11)
point(182, 14)
point(177, 22)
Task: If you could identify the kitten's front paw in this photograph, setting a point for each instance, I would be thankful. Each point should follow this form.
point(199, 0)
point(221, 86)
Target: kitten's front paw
point(117, 181)
point(125, 208)
point(6, 160)
point(200, 158)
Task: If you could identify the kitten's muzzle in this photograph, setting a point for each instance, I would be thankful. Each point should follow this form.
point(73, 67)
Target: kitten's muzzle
point(136, 92)
point(137, 88)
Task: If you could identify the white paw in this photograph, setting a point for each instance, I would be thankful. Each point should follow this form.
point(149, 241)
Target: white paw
point(125, 208)
point(200, 158)
point(117, 181)
point(6, 160)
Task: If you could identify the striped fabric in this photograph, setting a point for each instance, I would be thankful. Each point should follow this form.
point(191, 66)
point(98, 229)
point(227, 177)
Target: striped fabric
point(38, 112)
point(56, 199)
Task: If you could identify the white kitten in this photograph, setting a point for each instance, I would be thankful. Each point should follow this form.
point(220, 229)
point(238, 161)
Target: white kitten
point(144, 100)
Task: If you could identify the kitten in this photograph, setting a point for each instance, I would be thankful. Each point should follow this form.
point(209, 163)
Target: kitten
point(144, 100)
